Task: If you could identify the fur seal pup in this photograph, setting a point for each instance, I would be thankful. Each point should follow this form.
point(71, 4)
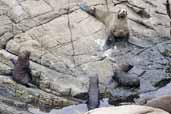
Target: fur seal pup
point(163, 102)
point(122, 76)
point(116, 24)
point(126, 79)
point(22, 72)
point(93, 93)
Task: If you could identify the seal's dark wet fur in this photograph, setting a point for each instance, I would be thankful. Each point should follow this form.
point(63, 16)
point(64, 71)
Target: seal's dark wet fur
point(22, 73)
point(93, 93)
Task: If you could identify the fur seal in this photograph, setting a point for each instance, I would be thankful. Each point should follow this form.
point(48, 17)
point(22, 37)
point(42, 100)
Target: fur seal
point(22, 72)
point(126, 79)
point(125, 67)
point(117, 28)
point(93, 93)
point(123, 78)
point(116, 24)
point(163, 102)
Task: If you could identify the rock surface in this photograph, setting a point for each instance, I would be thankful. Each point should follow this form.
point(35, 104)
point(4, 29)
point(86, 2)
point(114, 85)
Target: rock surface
point(66, 48)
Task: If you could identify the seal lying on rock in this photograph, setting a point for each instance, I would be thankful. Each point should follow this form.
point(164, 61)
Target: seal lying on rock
point(93, 93)
point(116, 24)
point(22, 72)
point(163, 102)
point(127, 109)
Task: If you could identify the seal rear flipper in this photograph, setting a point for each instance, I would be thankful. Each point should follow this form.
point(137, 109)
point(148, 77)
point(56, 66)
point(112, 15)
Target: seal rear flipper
point(109, 42)
point(87, 9)
point(84, 7)
point(30, 74)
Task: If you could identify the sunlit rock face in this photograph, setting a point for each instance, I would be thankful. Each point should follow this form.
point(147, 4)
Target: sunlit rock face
point(66, 47)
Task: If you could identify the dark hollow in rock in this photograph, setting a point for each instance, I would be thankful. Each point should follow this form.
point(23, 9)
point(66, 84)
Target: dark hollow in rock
point(82, 96)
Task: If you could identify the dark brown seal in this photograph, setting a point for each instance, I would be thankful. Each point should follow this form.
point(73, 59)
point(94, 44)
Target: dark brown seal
point(93, 93)
point(22, 72)
point(163, 102)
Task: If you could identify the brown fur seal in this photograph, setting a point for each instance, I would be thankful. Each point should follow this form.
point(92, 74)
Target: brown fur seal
point(116, 24)
point(93, 93)
point(22, 72)
point(163, 102)
point(123, 78)
point(126, 79)
point(125, 67)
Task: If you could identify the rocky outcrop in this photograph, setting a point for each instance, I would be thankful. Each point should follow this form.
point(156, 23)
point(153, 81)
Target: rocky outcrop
point(66, 47)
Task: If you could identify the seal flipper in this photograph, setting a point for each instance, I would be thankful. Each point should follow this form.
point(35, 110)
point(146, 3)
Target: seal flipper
point(29, 73)
point(14, 61)
point(84, 7)
point(87, 9)
point(109, 42)
point(30, 85)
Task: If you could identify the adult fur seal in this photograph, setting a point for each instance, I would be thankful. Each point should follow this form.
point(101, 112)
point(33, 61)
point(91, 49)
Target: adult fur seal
point(116, 24)
point(22, 72)
point(93, 93)
point(163, 102)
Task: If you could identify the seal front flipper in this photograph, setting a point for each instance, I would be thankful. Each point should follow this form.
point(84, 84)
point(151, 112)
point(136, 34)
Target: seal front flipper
point(14, 61)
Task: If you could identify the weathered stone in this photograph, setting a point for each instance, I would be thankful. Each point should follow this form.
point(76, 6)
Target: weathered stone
point(32, 96)
point(36, 8)
point(6, 109)
point(5, 38)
